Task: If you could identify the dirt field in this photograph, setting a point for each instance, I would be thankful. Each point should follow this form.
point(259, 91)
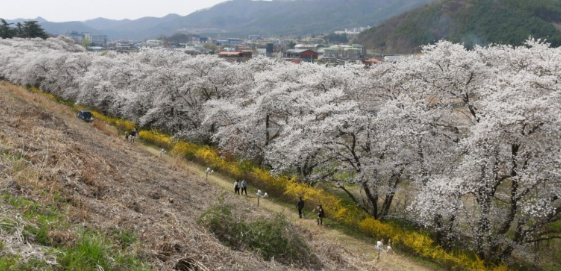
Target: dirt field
point(111, 183)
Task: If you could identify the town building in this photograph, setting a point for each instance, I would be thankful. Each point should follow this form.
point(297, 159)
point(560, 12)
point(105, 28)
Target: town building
point(87, 36)
point(345, 52)
point(353, 31)
point(302, 54)
point(313, 47)
point(195, 49)
point(254, 37)
point(240, 56)
point(153, 43)
point(75, 36)
point(99, 40)
point(371, 61)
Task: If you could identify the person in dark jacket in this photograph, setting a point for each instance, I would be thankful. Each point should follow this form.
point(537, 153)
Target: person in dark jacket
point(244, 187)
point(133, 134)
point(321, 214)
point(236, 187)
point(300, 206)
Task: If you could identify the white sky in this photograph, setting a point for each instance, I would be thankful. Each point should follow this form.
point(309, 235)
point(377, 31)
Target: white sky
point(81, 10)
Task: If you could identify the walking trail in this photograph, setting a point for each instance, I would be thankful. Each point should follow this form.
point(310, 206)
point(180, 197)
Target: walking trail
point(363, 249)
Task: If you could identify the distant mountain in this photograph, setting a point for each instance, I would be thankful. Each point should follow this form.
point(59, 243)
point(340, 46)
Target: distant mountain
point(143, 28)
point(102, 23)
point(242, 17)
point(467, 21)
point(53, 28)
point(295, 17)
point(65, 27)
point(20, 20)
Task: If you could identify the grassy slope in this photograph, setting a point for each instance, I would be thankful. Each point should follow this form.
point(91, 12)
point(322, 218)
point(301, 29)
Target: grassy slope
point(72, 186)
point(467, 21)
point(68, 185)
point(361, 247)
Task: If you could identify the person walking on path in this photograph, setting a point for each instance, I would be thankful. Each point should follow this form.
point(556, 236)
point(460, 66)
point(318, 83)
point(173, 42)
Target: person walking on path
point(133, 134)
point(321, 214)
point(236, 187)
point(244, 187)
point(300, 206)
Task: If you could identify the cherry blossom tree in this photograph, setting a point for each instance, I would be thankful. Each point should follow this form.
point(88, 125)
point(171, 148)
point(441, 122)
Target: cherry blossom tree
point(466, 141)
point(505, 188)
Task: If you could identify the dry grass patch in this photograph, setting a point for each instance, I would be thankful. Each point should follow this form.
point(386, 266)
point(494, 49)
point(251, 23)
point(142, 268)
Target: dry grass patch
point(104, 128)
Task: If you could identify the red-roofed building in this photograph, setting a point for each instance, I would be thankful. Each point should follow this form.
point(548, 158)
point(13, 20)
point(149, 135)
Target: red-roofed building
point(304, 55)
point(236, 56)
point(371, 61)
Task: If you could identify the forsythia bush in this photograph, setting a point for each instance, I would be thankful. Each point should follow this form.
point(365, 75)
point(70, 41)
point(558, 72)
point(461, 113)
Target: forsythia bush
point(156, 138)
point(48, 95)
point(184, 149)
point(332, 205)
point(413, 241)
point(123, 125)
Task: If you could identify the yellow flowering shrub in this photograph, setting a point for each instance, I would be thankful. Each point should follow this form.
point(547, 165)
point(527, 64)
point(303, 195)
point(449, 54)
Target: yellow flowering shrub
point(378, 228)
point(123, 125)
point(184, 149)
point(419, 243)
point(206, 154)
point(156, 138)
point(234, 169)
point(501, 268)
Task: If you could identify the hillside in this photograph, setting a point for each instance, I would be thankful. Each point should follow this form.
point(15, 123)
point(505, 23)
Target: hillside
point(472, 22)
point(296, 17)
point(63, 180)
point(242, 17)
point(77, 189)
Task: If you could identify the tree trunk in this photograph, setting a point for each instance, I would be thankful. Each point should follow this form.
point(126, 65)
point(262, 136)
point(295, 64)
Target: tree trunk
point(364, 208)
point(395, 180)
point(372, 198)
point(267, 125)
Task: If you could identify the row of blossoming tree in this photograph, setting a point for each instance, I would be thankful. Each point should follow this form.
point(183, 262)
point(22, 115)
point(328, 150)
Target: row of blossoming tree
point(464, 142)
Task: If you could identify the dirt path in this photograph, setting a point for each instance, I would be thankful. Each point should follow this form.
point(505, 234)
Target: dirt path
point(363, 249)
point(109, 183)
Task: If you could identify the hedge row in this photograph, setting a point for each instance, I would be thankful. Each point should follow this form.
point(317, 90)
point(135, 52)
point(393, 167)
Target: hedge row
point(290, 189)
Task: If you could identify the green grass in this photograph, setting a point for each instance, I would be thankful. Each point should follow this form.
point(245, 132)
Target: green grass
point(14, 263)
point(95, 250)
point(272, 238)
point(87, 254)
point(91, 249)
point(469, 22)
point(124, 237)
point(7, 225)
point(44, 223)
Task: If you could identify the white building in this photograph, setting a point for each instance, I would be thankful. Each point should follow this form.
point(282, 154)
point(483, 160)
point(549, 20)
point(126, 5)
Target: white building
point(347, 52)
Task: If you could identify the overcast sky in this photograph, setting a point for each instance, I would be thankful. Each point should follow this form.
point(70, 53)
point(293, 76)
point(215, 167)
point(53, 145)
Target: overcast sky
point(81, 10)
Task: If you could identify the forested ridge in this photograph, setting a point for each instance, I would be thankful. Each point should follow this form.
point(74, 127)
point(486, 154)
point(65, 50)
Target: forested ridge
point(471, 22)
point(244, 17)
point(28, 29)
point(467, 141)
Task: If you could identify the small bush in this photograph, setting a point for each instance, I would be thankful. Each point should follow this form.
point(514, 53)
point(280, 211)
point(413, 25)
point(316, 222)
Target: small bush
point(95, 252)
point(75, 248)
point(286, 186)
point(124, 237)
point(156, 138)
point(89, 253)
point(271, 238)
